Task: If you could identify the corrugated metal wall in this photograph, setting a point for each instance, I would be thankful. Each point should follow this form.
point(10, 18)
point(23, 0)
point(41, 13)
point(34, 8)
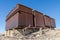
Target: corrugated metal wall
point(39, 21)
point(47, 21)
point(53, 23)
point(25, 19)
point(12, 22)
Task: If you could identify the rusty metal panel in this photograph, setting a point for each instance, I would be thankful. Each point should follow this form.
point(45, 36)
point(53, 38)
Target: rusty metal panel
point(17, 8)
point(12, 22)
point(12, 13)
point(47, 21)
point(39, 21)
point(53, 23)
point(25, 19)
point(29, 19)
point(25, 8)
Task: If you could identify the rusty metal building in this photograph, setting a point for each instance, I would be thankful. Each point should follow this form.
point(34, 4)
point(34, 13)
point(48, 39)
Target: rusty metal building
point(22, 16)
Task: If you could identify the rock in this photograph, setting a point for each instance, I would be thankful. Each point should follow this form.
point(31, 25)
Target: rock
point(48, 35)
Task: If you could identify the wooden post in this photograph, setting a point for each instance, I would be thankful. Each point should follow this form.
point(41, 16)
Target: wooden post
point(7, 33)
point(40, 31)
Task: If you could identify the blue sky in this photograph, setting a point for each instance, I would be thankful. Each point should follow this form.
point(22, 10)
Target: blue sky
point(49, 7)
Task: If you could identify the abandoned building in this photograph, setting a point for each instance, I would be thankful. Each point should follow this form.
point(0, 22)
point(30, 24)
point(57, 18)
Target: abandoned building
point(22, 17)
